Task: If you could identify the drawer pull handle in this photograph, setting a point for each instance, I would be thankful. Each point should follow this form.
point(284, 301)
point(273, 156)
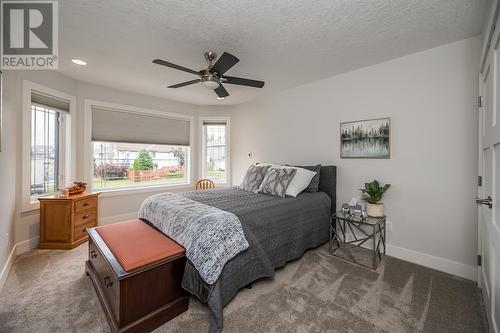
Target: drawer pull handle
point(86, 216)
point(93, 255)
point(85, 204)
point(107, 282)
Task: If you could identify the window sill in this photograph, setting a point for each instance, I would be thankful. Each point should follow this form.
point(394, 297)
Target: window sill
point(31, 206)
point(146, 189)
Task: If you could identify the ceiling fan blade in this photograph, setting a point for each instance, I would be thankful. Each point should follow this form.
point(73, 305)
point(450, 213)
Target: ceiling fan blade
point(243, 82)
point(225, 62)
point(221, 91)
point(169, 64)
point(183, 84)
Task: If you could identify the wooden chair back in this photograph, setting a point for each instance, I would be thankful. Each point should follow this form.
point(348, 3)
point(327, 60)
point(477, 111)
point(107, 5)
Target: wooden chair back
point(205, 184)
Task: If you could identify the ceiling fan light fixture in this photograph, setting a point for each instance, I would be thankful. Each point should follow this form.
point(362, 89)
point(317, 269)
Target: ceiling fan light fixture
point(210, 85)
point(213, 76)
point(209, 82)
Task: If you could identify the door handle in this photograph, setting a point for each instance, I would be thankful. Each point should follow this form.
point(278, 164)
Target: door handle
point(488, 202)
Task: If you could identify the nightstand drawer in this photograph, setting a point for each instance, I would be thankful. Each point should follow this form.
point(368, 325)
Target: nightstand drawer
point(80, 229)
point(85, 204)
point(85, 216)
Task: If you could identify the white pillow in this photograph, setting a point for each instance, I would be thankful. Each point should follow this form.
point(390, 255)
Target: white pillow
point(300, 181)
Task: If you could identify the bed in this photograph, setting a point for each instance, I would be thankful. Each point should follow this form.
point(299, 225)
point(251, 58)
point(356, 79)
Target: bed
point(278, 230)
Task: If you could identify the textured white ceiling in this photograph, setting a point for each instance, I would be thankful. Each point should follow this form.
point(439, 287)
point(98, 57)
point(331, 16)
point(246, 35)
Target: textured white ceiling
point(285, 43)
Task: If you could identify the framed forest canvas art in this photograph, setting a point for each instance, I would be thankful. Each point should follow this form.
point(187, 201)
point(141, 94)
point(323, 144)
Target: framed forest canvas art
point(366, 138)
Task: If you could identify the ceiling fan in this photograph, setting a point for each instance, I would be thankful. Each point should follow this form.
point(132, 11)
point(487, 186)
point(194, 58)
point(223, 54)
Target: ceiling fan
point(213, 76)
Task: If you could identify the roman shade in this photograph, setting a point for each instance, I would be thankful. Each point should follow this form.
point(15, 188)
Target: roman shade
point(128, 127)
point(49, 101)
point(215, 122)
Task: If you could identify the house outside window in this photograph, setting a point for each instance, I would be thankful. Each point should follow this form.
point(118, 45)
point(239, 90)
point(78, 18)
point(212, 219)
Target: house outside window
point(215, 149)
point(135, 148)
point(121, 165)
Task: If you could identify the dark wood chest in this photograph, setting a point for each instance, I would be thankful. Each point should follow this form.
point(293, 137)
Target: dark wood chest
point(139, 300)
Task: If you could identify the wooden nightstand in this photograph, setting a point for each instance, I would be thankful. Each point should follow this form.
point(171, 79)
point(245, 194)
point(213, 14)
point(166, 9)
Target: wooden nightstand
point(63, 220)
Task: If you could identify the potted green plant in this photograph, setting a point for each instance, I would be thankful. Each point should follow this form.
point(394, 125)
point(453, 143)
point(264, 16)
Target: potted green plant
point(373, 194)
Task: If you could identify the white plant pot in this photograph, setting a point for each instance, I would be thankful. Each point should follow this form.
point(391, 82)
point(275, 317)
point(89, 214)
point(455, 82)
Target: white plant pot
point(374, 210)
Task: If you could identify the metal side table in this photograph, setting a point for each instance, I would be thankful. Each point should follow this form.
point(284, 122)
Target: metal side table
point(348, 234)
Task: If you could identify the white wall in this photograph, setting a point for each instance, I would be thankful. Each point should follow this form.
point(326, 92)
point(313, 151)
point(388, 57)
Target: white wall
point(431, 97)
point(8, 168)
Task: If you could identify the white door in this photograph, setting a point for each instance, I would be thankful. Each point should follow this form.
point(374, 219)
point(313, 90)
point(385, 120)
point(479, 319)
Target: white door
point(489, 192)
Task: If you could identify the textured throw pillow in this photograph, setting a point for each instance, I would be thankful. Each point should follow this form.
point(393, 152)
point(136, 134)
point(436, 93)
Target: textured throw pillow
point(253, 178)
point(277, 181)
point(300, 181)
point(314, 184)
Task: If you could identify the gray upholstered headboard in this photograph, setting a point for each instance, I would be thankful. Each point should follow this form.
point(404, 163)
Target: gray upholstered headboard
point(328, 183)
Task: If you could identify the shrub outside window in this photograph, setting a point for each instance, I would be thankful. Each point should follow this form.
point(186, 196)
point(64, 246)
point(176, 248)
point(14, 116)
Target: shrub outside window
point(128, 165)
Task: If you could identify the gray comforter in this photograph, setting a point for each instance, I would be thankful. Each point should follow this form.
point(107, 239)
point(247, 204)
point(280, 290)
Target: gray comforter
point(277, 229)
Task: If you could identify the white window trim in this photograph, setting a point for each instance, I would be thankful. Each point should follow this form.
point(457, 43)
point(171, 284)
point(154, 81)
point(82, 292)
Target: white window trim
point(88, 154)
point(68, 161)
point(201, 144)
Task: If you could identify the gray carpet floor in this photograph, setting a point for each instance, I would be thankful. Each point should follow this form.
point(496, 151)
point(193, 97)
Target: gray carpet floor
point(47, 291)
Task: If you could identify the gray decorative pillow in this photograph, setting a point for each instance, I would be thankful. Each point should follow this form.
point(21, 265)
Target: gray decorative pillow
point(314, 184)
point(276, 181)
point(253, 178)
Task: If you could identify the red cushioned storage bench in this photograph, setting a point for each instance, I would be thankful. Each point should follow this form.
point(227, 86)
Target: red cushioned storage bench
point(137, 274)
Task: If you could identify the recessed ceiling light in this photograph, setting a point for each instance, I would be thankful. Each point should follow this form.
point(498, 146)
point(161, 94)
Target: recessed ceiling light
point(220, 98)
point(79, 62)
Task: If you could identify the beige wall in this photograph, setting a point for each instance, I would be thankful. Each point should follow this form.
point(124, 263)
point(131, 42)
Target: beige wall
point(431, 98)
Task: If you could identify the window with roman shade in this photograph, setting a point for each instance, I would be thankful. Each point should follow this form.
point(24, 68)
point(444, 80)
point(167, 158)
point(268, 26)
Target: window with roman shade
point(50, 101)
point(138, 149)
point(47, 152)
point(46, 142)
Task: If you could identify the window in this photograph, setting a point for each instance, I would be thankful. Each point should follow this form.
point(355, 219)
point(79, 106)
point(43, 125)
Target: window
point(122, 165)
point(137, 148)
point(46, 142)
point(215, 159)
point(45, 150)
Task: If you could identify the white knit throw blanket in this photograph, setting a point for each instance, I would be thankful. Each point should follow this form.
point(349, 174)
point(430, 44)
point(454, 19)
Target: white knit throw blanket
point(211, 236)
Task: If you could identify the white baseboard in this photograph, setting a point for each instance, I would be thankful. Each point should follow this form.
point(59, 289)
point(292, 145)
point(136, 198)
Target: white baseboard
point(117, 218)
point(17, 249)
point(437, 263)
point(27, 245)
point(6, 268)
